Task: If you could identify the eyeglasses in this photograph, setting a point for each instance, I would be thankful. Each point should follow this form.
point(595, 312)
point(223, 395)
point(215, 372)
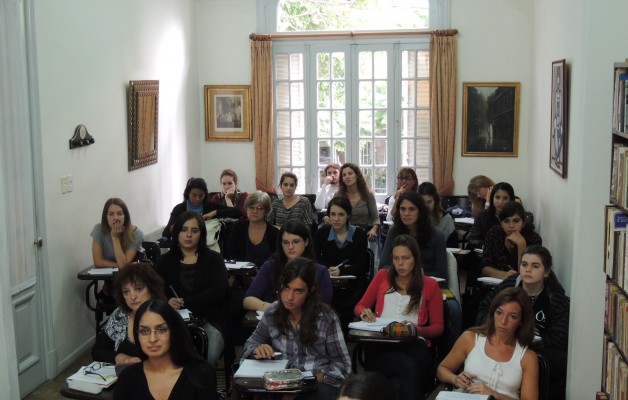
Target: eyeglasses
point(91, 370)
point(159, 331)
point(405, 178)
point(255, 208)
point(289, 243)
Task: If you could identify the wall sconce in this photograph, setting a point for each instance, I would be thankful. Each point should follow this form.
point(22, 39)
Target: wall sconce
point(81, 137)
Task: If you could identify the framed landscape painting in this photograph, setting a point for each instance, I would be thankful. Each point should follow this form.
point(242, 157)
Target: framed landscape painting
point(558, 125)
point(228, 112)
point(490, 119)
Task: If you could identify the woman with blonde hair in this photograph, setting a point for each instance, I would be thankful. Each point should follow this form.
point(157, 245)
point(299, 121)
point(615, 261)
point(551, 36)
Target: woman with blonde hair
point(479, 188)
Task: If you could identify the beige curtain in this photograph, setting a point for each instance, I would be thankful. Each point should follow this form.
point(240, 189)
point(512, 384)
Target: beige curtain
point(263, 117)
point(443, 82)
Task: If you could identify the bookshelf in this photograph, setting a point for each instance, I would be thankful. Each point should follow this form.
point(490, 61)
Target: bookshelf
point(615, 363)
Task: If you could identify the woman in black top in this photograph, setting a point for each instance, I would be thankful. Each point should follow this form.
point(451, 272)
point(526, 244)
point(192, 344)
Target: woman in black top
point(199, 278)
point(171, 367)
point(501, 194)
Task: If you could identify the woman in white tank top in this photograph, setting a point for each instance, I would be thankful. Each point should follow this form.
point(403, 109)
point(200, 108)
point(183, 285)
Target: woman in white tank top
point(496, 357)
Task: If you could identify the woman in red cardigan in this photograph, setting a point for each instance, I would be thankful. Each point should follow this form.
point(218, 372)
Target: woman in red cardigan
point(403, 293)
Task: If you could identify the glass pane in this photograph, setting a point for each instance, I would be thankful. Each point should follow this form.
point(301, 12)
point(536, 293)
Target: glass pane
point(283, 152)
point(423, 123)
point(365, 65)
point(381, 94)
point(281, 67)
point(324, 124)
point(380, 180)
point(423, 64)
point(423, 93)
point(296, 95)
point(408, 64)
point(368, 176)
point(408, 98)
point(380, 152)
point(381, 65)
point(340, 151)
point(422, 152)
point(381, 123)
point(283, 124)
point(283, 96)
point(298, 152)
point(338, 95)
point(366, 123)
point(324, 152)
point(300, 173)
point(296, 66)
point(297, 125)
point(366, 94)
point(316, 15)
point(322, 93)
point(339, 127)
point(322, 64)
point(338, 65)
point(407, 152)
point(407, 123)
point(423, 174)
point(366, 152)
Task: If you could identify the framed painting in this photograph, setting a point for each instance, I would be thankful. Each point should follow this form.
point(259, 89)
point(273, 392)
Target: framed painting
point(228, 112)
point(490, 119)
point(143, 123)
point(559, 118)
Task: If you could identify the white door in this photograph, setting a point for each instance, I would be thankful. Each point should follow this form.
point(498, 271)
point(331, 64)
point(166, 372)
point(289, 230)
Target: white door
point(18, 193)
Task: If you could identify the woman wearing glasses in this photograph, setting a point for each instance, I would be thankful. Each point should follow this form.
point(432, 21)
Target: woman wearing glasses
point(407, 181)
point(253, 239)
point(171, 367)
point(196, 278)
point(294, 241)
point(306, 332)
point(134, 284)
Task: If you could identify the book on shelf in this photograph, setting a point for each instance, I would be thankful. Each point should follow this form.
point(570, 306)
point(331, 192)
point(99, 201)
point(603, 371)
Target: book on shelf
point(616, 222)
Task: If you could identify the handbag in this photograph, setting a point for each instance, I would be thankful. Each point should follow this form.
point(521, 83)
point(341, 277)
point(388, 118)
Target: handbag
point(400, 330)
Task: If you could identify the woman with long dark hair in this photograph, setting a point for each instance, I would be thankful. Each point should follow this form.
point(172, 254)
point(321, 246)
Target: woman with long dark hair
point(196, 279)
point(441, 221)
point(171, 368)
point(505, 243)
point(291, 206)
point(495, 356)
point(412, 218)
point(549, 303)
point(230, 195)
point(501, 193)
point(353, 186)
point(404, 293)
point(294, 241)
point(305, 331)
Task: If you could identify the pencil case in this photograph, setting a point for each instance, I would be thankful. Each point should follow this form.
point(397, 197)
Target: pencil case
point(284, 379)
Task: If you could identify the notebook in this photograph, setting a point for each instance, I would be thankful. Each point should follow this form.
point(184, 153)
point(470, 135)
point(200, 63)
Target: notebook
point(256, 368)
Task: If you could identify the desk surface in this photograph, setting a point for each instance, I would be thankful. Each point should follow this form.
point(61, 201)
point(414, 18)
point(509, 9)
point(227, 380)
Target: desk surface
point(250, 319)
point(77, 394)
point(84, 275)
point(357, 335)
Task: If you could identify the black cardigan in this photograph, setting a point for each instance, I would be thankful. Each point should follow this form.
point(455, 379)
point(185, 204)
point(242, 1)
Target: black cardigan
point(239, 238)
point(209, 297)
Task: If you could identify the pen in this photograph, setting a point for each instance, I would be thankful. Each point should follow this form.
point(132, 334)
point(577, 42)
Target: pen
point(174, 292)
point(342, 264)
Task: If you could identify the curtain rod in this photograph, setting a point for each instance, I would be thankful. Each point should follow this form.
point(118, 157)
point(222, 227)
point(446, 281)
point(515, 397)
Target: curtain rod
point(351, 34)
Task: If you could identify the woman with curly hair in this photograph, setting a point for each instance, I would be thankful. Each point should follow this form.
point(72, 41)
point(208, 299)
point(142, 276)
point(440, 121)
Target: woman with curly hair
point(354, 187)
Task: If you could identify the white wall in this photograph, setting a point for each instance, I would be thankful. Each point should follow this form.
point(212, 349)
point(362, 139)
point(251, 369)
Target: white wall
point(493, 46)
point(224, 58)
point(590, 36)
point(87, 51)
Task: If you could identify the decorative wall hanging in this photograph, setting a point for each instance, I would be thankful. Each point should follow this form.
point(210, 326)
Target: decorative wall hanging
point(143, 123)
point(228, 112)
point(81, 137)
point(490, 119)
point(559, 118)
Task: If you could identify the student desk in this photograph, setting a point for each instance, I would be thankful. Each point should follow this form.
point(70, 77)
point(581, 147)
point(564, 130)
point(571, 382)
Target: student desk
point(77, 394)
point(95, 279)
point(362, 337)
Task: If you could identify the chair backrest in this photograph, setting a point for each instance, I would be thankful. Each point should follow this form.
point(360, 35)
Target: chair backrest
point(452, 276)
point(543, 377)
point(199, 339)
point(152, 251)
point(370, 273)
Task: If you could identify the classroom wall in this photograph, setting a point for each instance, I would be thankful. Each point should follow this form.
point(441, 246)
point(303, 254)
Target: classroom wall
point(590, 36)
point(87, 52)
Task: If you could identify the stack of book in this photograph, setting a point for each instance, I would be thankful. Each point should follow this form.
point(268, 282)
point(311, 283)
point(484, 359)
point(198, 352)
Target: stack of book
point(93, 378)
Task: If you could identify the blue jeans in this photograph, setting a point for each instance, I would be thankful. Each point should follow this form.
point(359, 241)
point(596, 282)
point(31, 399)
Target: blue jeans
point(216, 344)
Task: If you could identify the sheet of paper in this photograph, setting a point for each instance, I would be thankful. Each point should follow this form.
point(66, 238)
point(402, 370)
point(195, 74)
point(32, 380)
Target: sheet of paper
point(256, 368)
point(102, 271)
point(490, 280)
point(461, 396)
point(370, 326)
point(102, 374)
point(239, 265)
point(184, 313)
point(455, 250)
point(467, 220)
point(344, 277)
